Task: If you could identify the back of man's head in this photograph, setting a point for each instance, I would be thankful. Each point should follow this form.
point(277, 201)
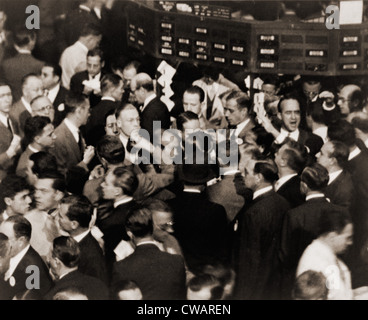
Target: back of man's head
point(24, 38)
point(111, 149)
point(139, 222)
point(73, 101)
point(66, 249)
point(267, 169)
point(295, 155)
point(109, 82)
point(310, 285)
point(342, 131)
point(315, 177)
point(21, 227)
point(204, 287)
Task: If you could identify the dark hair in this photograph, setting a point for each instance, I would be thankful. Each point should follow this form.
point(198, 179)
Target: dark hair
point(288, 96)
point(74, 100)
point(333, 221)
point(315, 177)
point(360, 123)
point(68, 293)
point(342, 131)
point(196, 90)
point(80, 209)
point(185, 117)
point(267, 169)
point(108, 114)
point(358, 97)
point(4, 244)
point(340, 153)
point(122, 107)
point(10, 186)
point(310, 285)
point(43, 162)
point(4, 84)
point(123, 285)
point(139, 222)
point(55, 67)
point(96, 52)
point(222, 272)
point(211, 72)
point(23, 37)
point(295, 155)
point(241, 99)
point(110, 81)
point(90, 29)
point(21, 226)
point(34, 127)
point(202, 281)
point(111, 149)
point(316, 112)
point(126, 179)
point(58, 180)
point(154, 204)
point(67, 250)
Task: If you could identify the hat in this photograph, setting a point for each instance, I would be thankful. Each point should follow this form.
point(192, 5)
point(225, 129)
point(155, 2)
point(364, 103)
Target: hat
point(196, 173)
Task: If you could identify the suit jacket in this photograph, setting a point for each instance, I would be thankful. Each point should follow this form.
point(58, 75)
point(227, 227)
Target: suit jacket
point(201, 229)
point(66, 149)
point(6, 47)
point(159, 275)
point(23, 163)
point(6, 164)
point(16, 68)
point(258, 237)
point(341, 190)
point(20, 114)
point(300, 228)
point(290, 190)
point(156, 110)
point(96, 124)
point(76, 85)
point(225, 194)
point(20, 275)
point(92, 287)
point(92, 261)
point(59, 100)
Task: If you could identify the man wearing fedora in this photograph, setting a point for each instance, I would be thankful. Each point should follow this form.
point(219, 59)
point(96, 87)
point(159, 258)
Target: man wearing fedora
point(200, 225)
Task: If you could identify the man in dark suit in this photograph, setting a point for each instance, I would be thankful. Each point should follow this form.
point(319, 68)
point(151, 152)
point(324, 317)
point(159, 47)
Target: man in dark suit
point(200, 225)
point(69, 148)
point(301, 224)
point(88, 82)
point(10, 141)
point(290, 159)
point(258, 234)
point(64, 263)
point(334, 157)
point(22, 110)
point(112, 92)
point(26, 271)
point(119, 185)
point(51, 80)
point(290, 114)
point(23, 62)
point(75, 215)
point(152, 109)
point(159, 275)
point(6, 38)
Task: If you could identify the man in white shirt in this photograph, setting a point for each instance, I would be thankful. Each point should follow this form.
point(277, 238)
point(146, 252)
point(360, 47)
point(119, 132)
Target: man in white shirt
point(74, 58)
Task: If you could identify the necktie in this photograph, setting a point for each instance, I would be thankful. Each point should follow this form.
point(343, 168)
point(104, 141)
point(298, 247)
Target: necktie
point(130, 145)
point(80, 142)
point(9, 126)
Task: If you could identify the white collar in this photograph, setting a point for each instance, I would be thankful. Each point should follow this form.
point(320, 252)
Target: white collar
point(13, 264)
point(366, 143)
point(334, 175)
point(313, 196)
point(27, 105)
point(53, 93)
point(85, 8)
point(241, 126)
point(23, 51)
point(293, 135)
point(80, 44)
point(73, 129)
point(123, 139)
point(108, 98)
point(262, 191)
point(81, 236)
point(66, 273)
point(5, 215)
point(122, 201)
point(230, 172)
point(4, 120)
point(98, 12)
point(190, 190)
point(96, 77)
point(34, 150)
point(148, 242)
point(354, 153)
point(148, 100)
point(283, 180)
point(322, 132)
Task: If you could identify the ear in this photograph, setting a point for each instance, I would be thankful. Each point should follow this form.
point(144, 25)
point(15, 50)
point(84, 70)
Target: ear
point(8, 201)
point(279, 115)
point(102, 64)
point(130, 235)
point(59, 195)
point(75, 225)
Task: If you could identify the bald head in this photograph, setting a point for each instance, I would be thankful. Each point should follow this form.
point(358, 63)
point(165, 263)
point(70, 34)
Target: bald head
point(141, 86)
point(350, 99)
point(32, 87)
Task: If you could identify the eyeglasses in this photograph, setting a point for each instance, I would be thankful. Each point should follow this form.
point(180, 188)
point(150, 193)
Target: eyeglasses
point(45, 108)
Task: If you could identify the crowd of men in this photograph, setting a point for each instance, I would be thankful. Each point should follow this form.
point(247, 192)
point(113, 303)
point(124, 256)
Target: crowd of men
point(107, 203)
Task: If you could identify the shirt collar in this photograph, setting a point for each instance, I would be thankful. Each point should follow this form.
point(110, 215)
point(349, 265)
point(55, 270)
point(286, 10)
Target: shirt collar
point(80, 44)
point(4, 120)
point(333, 176)
point(85, 8)
point(53, 93)
point(190, 190)
point(283, 180)
point(241, 126)
point(322, 132)
point(354, 153)
point(123, 139)
point(148, 242)
point(148, 100)
point(27, 105)
point(231, 172)
point(122, 201)
point(262, 191)
point(108, 99)
point(96, 77)
point(366, 143)
point(81, 236)
point(24, 51)
point(73, 129)
point(13, 264)
point(34, 150)
point(293, 135)
point(314, 196)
